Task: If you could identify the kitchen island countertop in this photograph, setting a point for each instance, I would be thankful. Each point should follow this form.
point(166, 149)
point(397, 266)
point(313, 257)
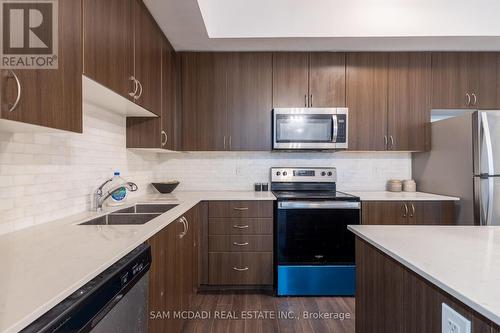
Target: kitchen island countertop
point(461, 260)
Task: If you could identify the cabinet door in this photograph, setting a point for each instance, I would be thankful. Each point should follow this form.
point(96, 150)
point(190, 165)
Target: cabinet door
point(326, 79)
point(168, 96)
point(488, 94)
point(453, 77)
point(108, 44)
point(432, 212)
point(164, 291)
point(290, 79)
point(147, 59)
point(384, 212)
point(366, 91)
point(409, 100)
point(51, 98)
point(249, 101)
point(208, 123)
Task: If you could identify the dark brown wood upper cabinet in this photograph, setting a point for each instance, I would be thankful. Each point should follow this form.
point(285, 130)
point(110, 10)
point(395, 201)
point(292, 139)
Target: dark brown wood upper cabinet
point(409, 101)
point(303, 79)
point(249, 101)
point(51, 98)
point(168, 96)
point(226, 101)
point(488, 94)
point(147, 59)
point(204, 101)
point(326, 79)
point(109, 44)
point(366, 98)
point(210, 113)
point(290, 79)
point(158, 133)
point(454, 80)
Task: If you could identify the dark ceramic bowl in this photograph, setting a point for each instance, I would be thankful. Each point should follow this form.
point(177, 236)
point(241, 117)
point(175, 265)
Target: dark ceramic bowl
point(165, 187)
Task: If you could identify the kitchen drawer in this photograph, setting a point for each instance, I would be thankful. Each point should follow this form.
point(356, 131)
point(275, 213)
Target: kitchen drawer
point(240, 226)
point(240, 208)
point(241, 268)
point(240, 243)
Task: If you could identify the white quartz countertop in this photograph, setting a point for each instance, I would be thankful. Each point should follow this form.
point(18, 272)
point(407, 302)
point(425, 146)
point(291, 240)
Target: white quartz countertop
point(42, 265)
point(464, 261)
point(400, 196)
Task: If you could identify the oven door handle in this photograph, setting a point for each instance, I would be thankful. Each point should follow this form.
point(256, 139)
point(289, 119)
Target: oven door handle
point(319, 205)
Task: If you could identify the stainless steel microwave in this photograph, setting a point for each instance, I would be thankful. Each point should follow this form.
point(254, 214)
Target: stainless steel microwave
point(310, 128)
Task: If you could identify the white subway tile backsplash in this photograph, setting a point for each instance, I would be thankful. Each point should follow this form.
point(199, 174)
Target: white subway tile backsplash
point(239, 170)
point(48, 176)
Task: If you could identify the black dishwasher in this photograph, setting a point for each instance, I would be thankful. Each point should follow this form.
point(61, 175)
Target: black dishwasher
point(114, 301)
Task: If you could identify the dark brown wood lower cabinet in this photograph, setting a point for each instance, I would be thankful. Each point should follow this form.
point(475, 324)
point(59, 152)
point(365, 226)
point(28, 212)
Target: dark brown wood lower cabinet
point(237, 268)
point(174, 273)
point(392, 298)
point(408, 212)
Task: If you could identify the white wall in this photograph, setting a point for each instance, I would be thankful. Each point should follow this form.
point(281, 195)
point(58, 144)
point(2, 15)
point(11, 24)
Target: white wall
point(239, 171)
point(47, 176)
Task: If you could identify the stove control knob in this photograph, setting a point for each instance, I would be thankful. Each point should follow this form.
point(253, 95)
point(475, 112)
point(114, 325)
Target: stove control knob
point(323, 173)
point(284, 173)
point(330, 173)
point(278, 173)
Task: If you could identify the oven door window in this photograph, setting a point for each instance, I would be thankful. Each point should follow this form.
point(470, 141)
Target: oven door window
point(316, 236)
point(300, 128)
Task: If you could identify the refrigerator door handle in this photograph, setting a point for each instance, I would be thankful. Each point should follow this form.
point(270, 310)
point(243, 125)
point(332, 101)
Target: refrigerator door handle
point(489, 205)
point(487, 141)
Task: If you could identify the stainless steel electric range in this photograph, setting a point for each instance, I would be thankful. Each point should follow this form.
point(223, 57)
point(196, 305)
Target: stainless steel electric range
point(314, 251)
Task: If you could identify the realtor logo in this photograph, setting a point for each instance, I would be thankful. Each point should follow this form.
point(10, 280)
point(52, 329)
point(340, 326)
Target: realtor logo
point(29, 33)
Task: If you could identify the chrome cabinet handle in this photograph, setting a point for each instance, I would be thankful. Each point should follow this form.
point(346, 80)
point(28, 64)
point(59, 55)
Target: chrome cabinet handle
point(305, 100)
point(405, 213)
point(140, 91)
point(13, 75)
point(230, 142)
point(136, 86)
point(386, 142)
point(311, 100)
point(164, 138)
point(240, 244)
point(240, 226)
point(412, 214)
point(240, 208)
point(468, 99)
point(392, 142)
point(240, 269)
point(184, 232)
point(224, 142)
point(475, 99)
point(187, 224)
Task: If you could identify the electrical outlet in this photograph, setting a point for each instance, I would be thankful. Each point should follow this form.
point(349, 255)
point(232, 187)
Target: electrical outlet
point(453, 322)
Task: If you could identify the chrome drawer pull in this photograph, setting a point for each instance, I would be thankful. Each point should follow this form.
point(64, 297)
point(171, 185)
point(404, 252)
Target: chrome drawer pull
point(240, 226)
point(240, 269)
point(240, 244)
point(240, 208)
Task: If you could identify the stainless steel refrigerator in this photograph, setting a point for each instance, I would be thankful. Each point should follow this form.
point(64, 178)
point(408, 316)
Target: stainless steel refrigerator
point(465, 162)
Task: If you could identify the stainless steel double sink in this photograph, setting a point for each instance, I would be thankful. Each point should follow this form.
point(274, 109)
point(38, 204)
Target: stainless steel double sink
point(138, 214)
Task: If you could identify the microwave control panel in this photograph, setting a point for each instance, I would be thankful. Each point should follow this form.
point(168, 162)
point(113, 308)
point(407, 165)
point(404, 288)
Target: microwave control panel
point(342, 128)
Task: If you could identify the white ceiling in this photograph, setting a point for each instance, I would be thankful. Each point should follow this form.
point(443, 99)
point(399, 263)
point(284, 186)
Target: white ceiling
point(330, 25)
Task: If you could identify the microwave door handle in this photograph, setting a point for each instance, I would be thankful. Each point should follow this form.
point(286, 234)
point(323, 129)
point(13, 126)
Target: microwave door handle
point(335, 128)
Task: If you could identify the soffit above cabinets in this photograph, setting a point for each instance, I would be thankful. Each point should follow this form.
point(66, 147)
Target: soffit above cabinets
point(329, 25)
